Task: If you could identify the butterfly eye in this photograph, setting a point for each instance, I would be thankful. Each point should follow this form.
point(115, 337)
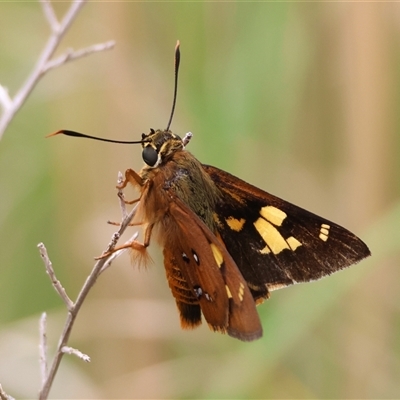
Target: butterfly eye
point(150, 156)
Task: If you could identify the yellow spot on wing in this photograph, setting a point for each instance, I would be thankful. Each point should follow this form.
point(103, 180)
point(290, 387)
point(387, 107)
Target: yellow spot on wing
point(228, 292)
point(241, 291)
point(273, 215)
point(238, 198)
point(216, 219)
point(265, 250)
point(324, 232)
point(219, 259)
point(274, 241)
point(235, 224)
point(293, 243)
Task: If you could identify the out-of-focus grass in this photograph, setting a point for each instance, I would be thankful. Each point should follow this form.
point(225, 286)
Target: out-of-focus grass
point(299, 99)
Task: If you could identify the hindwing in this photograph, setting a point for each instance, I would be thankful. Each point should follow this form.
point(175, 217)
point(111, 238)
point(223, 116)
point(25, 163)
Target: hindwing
point(201, 273)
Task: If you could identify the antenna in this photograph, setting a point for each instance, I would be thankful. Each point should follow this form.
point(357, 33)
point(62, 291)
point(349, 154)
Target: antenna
point(77, 134)
point(177, 61)
point(82, 135)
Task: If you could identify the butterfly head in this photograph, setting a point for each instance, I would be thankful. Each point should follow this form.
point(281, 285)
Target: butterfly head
point(159, 145)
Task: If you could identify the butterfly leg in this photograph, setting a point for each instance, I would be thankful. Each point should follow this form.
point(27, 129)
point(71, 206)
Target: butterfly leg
point(139, 253)
point(134, 179)
point(131, 201)
point(119, 223)
point(131, 177)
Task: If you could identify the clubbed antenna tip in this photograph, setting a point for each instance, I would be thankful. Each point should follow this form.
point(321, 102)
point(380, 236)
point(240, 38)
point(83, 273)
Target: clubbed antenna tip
point(177, 61)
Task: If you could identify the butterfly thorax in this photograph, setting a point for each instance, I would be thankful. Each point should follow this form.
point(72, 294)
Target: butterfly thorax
point(176, 172)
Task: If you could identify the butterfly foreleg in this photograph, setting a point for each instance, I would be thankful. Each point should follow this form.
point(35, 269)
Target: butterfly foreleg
point(131, 177)
point(135, 180)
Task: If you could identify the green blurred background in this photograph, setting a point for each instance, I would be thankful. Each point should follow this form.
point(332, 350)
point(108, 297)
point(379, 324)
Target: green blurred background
point(300, 99)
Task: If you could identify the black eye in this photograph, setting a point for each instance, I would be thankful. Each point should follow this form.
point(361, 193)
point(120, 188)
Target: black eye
point(149, 156)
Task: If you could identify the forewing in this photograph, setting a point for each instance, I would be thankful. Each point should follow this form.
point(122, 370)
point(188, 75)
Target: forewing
point(275, 243)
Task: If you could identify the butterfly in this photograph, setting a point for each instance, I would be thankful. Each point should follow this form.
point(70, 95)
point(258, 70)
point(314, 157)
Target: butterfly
point(226, 244)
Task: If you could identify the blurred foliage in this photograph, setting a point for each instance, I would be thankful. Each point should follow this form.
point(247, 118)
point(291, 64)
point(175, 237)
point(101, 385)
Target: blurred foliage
point(300, 99)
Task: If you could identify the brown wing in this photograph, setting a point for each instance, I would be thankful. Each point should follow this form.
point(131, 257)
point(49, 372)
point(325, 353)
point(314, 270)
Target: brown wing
point(198, 263)
point(186, 301)
point(275, 243)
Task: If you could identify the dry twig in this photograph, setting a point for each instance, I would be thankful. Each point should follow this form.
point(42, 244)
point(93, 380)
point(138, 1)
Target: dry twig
point(44, 63)
point(43, 347)
point(75, 352)
point(4, 395)
point(74, 307)
point(56, 283)
point(10, 106)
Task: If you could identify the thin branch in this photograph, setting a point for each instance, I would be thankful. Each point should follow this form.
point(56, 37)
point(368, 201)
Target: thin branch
point(50, 15)
point(5, 98)
point(68, 328)
point(11, 106)
point(56, 283)
point(43, 347)
point(98, 268)
point(75, 352)
point(44, 63)
point(127, 220)
point(4, 395)
point(71, 55)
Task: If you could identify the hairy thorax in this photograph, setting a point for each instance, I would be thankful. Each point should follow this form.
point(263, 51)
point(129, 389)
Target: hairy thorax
point(182, 176)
